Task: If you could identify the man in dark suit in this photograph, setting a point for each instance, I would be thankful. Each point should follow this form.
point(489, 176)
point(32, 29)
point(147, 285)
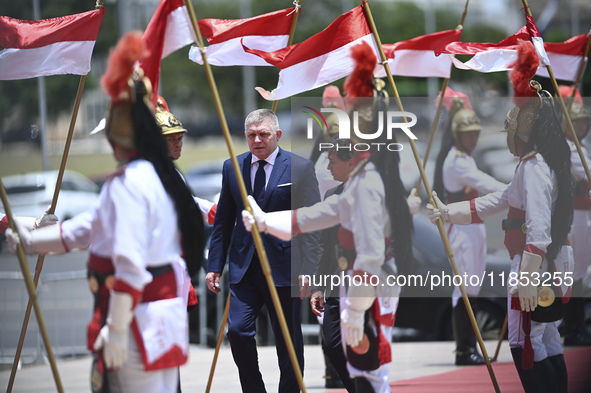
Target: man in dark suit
point(283, 181)
point(325, 299)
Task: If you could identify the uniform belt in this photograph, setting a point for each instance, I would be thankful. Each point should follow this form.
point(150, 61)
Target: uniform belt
point(514, 224)
point(346, 258)
point(158, 271)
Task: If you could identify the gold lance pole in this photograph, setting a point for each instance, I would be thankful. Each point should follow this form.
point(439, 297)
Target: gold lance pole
point(51, 210)
point(32, 293)
point(218, 344)
point(439, 105)
point(290, 39)
point(440, 227)
point(570, 128)
point(501, 337)
point(255, 231)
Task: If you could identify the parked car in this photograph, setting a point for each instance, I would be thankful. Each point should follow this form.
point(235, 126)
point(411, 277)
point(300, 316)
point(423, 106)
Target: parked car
point(31, 193)
point(205, 179)
point(425, 313)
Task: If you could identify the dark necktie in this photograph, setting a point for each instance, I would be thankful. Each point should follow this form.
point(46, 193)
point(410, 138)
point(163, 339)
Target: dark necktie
point(259, 182)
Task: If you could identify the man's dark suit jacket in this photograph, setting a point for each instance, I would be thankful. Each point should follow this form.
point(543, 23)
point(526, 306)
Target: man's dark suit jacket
point(328, 262)
point(292, 184)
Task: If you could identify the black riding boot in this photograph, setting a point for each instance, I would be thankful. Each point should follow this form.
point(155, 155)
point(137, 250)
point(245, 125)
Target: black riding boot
point(559, 366)
point(362, 385)
point(575, 333)
point(542, 378)
point(466, 353)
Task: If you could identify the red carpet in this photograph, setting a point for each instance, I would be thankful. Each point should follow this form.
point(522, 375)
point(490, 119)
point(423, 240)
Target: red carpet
point(477, 379)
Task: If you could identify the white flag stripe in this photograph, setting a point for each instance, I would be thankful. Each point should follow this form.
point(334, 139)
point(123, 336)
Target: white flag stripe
point(179, 31)
point(416, 63)
point(564, 67)
point(316, 72)
point(66, 57)
point(540, 50)
point(490, 61)
point(231, 52)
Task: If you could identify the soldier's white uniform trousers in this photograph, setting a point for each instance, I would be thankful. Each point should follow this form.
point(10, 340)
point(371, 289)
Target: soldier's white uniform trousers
point(530, 199)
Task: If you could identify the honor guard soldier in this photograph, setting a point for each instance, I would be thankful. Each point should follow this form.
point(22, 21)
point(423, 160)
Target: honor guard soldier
point(458, 179)
point(539, 200)
point(144, 217)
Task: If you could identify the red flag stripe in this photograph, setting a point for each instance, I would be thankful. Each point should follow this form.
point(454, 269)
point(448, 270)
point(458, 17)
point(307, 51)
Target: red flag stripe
point(221, 30)
point(432, 42)
point(472, 48)
point(24, 34)
point(347, 28)
point(574, 46)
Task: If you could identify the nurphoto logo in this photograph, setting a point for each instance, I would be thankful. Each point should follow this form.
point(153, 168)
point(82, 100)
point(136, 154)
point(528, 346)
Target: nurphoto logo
point(393, 121)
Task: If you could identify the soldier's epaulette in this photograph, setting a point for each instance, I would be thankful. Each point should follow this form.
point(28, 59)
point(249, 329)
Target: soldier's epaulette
point(528, 155)
point(117, 172)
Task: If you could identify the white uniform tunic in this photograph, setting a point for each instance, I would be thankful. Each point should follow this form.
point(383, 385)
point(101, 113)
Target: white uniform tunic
point(135, 226)
point(361, 209)
point(581, 229)
point(468, 242)
point(534, 190)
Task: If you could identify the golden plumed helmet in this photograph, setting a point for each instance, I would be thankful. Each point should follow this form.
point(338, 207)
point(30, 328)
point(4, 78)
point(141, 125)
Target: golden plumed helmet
point(521, 118)
point(363, 92)
point(576, 111)
point(168, 123)
point(528, 95)
point(123, 83)
point(331, 98)
point(462, 119)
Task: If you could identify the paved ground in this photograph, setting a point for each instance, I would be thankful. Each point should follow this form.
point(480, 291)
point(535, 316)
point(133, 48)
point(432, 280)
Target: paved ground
point(410, 360)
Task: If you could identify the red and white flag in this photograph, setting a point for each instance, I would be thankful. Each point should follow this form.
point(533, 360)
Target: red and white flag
point(46, 47)
point(321, 59)
point(169, 30)
point(565, 57)
point(416, 57)
point(496, 57)
point(267, 32)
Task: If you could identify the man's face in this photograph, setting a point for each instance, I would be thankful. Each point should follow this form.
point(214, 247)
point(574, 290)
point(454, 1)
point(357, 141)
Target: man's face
point(262, 141)
point(175, 144)
point(581, 127)
point(338, 168)
point(468, 140)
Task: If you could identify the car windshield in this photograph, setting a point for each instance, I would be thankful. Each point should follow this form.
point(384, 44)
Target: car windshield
point(24, 189)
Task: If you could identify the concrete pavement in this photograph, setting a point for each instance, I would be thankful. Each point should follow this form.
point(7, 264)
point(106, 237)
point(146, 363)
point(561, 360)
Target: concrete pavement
point(410, 360)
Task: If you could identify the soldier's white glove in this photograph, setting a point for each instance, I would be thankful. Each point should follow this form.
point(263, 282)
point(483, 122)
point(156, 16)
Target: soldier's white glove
point(455, 213)
point(414, 202)
point(277, 223)
point(114, 336)
point(359, 299)
point(39, 241)
point(525, 288)
point(46, 219)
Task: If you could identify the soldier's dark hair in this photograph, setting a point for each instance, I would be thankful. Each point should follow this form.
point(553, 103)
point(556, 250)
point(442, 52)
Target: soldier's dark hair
point(152, 147)
point(548, 139)
point(343, 153)
point(446, 143)
point(387, 164)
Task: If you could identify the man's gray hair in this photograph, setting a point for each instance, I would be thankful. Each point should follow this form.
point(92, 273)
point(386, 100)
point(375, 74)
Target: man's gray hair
point(262, 116)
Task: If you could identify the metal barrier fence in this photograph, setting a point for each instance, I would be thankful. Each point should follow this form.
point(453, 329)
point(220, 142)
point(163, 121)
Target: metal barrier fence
point(66, 304)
